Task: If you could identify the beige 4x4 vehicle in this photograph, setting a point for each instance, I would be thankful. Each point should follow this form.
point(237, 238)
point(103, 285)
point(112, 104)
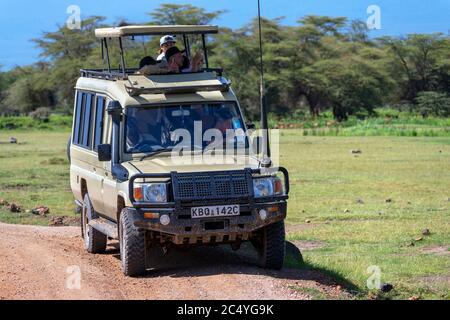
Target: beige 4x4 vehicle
point(124, 175)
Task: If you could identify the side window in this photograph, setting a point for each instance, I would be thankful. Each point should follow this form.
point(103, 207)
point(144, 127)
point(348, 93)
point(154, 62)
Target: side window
point(76, 126)
point(78, 136)
point(83, 120)
point(87, 126)
point(99, 114)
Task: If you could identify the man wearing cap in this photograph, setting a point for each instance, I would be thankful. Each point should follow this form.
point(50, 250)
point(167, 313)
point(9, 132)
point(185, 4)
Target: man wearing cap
point(177, 63)
point(165, 44)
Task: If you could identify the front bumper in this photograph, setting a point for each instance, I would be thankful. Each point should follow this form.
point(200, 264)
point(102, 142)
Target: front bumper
point(184, 230)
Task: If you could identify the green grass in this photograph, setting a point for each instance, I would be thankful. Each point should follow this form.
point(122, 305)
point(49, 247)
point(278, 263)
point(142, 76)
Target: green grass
point(55, 122)
point(35, 172)
point(386, 122)
point(326, 182)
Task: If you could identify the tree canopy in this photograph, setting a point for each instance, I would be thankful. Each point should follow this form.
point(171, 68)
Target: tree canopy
point(319, 64)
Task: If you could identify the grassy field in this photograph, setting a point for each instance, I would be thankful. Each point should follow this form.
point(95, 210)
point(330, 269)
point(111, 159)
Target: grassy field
point(35, 172)
point(365, 210)
point(347, 211)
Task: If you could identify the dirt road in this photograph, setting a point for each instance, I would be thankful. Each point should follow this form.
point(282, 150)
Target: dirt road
point(50, 263)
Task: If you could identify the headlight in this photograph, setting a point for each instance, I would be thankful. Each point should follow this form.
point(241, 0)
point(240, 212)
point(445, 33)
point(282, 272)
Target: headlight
point(153, 193)
point(267, 187)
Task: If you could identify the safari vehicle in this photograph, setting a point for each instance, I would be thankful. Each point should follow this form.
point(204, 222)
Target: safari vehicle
point(124, 178)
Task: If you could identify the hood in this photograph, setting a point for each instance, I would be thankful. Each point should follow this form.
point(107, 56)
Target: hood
point(165, 164)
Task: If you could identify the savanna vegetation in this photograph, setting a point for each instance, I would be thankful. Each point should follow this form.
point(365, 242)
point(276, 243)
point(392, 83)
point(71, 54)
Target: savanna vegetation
point(360, 197)
point(321, 65)
point(347, 211)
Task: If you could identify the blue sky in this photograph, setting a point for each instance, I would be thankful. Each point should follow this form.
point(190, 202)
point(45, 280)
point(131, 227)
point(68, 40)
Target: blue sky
point(22, 20)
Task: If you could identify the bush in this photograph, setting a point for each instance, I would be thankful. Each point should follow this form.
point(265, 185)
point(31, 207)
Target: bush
point(42, 114)
point(27, 123)
point(430, 103)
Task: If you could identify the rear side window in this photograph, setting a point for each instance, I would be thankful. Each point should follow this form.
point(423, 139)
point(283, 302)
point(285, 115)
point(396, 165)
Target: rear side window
point(76, 127)
point(84, 120)
point(87, 126)
point(99, 113)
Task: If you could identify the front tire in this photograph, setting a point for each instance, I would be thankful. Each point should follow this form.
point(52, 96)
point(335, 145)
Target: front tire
point(271, 246)
point(94, 240)
point(132, 245)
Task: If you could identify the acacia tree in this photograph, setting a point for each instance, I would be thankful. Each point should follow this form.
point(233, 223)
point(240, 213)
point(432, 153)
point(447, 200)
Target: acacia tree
point(6, 79)
point(238, 53)
point(68, 51)
point(307, 44)
point(29, 91)
point(419, 63)
point(314, 61)
point(323, 63)
point(433, 103)
point(173, 14)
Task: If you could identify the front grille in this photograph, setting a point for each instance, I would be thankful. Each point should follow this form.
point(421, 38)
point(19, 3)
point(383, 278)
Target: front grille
point(212, 186)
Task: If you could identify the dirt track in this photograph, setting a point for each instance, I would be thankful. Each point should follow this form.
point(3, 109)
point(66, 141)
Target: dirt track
point(34, 264)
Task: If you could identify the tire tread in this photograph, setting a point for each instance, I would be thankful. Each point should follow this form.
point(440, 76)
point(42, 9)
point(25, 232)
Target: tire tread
point(97, 240)
point(133, 244)
point(274, 248)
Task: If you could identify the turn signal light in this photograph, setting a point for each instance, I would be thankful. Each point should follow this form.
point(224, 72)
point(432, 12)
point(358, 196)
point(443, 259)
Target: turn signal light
point(273, 209)
point(151, 215)
point(278, 187)
point(138, 194)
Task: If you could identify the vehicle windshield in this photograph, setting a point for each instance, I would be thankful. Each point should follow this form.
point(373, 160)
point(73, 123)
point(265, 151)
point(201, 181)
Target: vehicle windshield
point(196, 126)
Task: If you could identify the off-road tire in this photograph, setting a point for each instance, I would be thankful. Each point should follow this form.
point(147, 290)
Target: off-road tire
point(94, 240)
point(271, 246)
point(132, 245)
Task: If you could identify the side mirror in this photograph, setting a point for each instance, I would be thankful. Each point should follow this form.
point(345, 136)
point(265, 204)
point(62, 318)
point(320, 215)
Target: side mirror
point(257, 144)
point(104, 153)
point(251, 126)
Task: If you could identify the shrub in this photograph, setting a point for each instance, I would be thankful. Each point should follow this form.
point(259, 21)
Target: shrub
point(42, 114)
point(430, 103)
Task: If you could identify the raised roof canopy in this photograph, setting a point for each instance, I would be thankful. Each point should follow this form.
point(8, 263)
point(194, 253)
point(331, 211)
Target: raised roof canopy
point(149, 30)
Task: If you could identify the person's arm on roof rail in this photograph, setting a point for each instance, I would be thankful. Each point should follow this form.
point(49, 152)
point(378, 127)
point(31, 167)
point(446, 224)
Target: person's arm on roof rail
point(149, 66)
point(177, 61)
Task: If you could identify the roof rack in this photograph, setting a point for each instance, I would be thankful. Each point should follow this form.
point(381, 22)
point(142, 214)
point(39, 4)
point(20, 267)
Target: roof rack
point(112, 75)
point(149, 30)
point(117, 74)
point(219, 84)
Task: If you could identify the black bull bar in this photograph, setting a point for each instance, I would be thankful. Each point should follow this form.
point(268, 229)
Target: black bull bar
point(173, 177)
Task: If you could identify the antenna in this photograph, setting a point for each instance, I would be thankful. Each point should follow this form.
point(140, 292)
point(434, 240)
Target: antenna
point(264, 123)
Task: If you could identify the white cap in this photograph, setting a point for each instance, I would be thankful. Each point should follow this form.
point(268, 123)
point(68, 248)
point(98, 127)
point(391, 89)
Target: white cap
point(166, 39)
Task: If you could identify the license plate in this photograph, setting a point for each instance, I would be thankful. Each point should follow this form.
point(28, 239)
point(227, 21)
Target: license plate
point(215, 211)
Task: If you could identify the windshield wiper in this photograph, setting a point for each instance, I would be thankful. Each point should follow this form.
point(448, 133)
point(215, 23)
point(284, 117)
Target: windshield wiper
point(155, 153)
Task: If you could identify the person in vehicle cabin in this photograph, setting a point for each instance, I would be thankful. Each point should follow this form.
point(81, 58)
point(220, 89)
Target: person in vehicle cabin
point(148, 66)
point(143, 130)
point(166, 43)
point(177, 63)
point(224, 120)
